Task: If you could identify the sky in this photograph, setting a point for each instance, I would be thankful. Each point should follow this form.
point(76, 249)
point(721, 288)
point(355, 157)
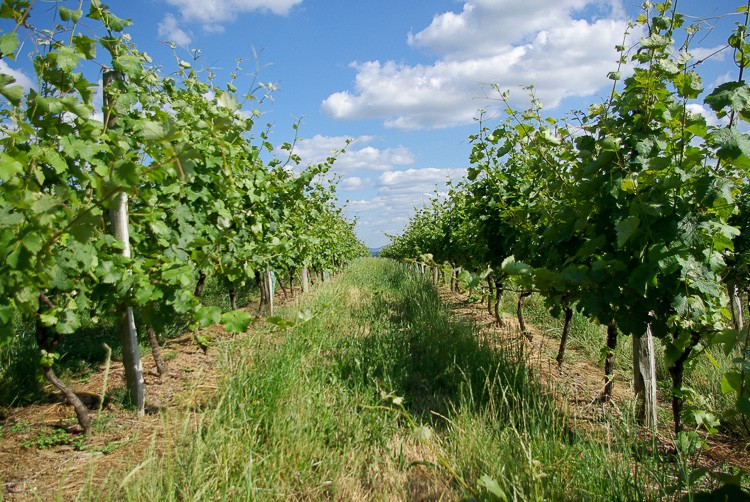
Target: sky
point(405, 80)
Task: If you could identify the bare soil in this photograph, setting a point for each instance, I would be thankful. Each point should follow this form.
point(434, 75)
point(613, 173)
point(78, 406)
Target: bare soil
point(29, 470)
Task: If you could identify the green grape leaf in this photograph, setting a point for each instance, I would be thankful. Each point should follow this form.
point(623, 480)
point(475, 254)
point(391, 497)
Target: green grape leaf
point(13, 93)
point(730, 143)
point(33, 242)
point(734, 95)
point(8, 45)
point(85, 46)
point(48, 319)
point(689, 84)
point(56, 161)
point(627, 185)
point(69, 321)
point(182, 275)
point(9, 167)
point(159, 131)
point(48, 358)
point(208, 315)
point(280, 322)
point(71, 104)
point(236, 321)
point(67, 59)
point(512, 267)
point(626, 229)
point(731, 382)
point(129, 65)
point(227, 100)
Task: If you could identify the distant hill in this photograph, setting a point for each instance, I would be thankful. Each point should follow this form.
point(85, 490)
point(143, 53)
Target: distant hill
point(376, 251)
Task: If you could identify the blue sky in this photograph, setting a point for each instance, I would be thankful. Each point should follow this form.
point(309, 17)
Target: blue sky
point(404, 79)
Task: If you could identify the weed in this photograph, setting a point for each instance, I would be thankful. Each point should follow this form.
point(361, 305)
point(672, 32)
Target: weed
point(50, 437)
point(20, 426)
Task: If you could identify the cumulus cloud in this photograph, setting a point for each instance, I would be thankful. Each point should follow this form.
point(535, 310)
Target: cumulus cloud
point(170, 31)
point(398, 193)
point(212, 13)
point(360, 154)
point(545, 43)
point(485, 25)
point(410, 188)
point(353, 183)
point(711, 118)
point(718, 53)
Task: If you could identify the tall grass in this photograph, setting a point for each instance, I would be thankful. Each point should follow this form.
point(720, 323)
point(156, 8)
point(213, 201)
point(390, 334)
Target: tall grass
point(316, 412)
point(702, 377)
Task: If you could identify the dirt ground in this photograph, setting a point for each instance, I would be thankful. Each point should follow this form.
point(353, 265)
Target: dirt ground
point(31, 470)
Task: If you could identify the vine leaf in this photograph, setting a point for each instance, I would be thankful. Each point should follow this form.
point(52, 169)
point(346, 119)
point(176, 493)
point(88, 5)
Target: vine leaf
point(730, 143)
point(8, 44)
point(236, 321)
point(208, 315)
point(626, 228)
point(512, 267)
point(734, 95)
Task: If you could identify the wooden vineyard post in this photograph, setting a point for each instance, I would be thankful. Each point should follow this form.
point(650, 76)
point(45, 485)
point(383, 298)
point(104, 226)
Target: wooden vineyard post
point(304, 279)
point(644, 379)
point(269, 286)
point(131, 352)
point(736, 302)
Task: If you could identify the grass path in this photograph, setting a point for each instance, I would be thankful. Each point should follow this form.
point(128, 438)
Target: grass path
point(381, 395)
point(374, 389)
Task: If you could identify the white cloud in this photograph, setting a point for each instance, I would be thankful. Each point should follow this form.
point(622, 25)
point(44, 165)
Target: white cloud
point(398, 193)
point(410, 188)
point(358, 155)
point(354, 183)
point(212, 13)
point(21, 78)
point(717, 53)
point(485, 25)
point(171, 32)
point(711, 118)
point(511, 43)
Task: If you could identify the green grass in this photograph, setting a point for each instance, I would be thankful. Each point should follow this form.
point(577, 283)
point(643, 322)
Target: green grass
point(587, 339)
point(315, 413)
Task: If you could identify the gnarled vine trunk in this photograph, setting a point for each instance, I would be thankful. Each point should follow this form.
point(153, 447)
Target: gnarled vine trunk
point(200, 284)
point(677, 372)
point(232, 298)
point(48, 342)
point(489, 294)
point(519, 313)
point(161, 368)
point(262, 290)
point(564, 337)
point(498, 299)
point(609, 362)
